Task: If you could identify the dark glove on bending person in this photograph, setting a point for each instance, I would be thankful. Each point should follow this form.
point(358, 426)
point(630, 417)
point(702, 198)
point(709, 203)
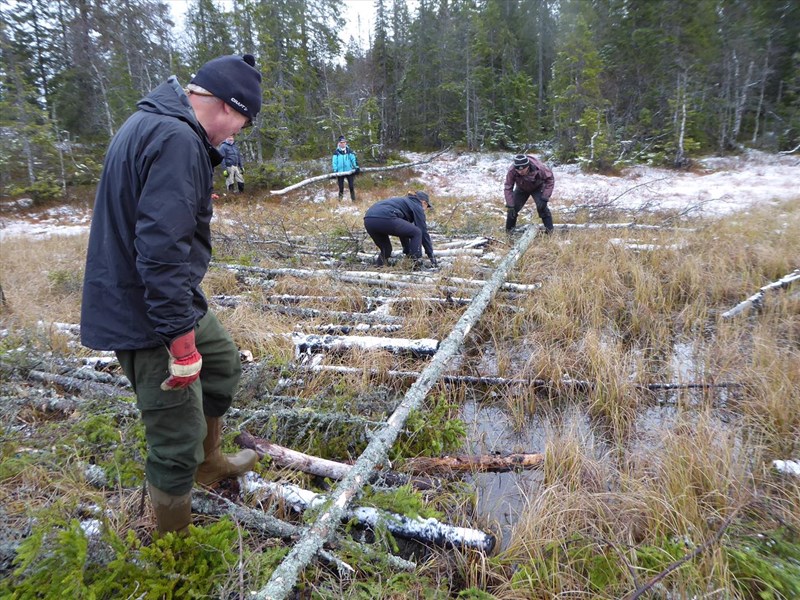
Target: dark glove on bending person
point(185, 363)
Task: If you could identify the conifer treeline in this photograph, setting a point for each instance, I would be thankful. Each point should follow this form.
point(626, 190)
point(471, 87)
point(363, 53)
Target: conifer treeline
point(599, 81)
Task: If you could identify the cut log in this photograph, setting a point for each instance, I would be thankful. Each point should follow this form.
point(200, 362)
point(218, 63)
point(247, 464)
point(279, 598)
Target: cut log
point(205, 503)
point(321, 467)
point(305, 182)
point(429, 530)
point(336, 329)
point(473, 464)
point(311, 313)
point(74, 385)
point(370, 276)
point(309, 344)
point(631, 225)
point(489, 381)
point(473, 243)
point(756, 299)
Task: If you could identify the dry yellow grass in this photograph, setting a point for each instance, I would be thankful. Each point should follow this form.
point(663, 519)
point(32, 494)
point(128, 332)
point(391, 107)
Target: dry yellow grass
point(605, 313)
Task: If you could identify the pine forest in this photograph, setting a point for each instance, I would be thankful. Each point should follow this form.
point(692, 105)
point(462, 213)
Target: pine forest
point(603, 82)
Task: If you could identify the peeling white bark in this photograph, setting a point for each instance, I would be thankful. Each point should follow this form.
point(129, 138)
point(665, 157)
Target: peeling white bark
point(756, 299)
point(417, 528)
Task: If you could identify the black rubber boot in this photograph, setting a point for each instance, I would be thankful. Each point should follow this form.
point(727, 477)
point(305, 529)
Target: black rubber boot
point(511, 222)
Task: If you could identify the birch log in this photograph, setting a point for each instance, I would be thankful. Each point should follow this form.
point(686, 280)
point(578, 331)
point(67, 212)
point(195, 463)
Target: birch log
point(371, 276)
point(320, 467)
point(756, 299)
point(205, 503)
point(473, 464)
point(305, 182)
point(420, 529)
point(285, 575)
point(311, 343)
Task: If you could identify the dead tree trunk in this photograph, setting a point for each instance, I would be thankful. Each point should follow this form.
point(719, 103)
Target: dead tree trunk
point(429, 530)
point(307, 344)
point(365, 170)
point(756, 299)
point(204, 503)
point(473, 464)
point(285, 575)
point(320, 467)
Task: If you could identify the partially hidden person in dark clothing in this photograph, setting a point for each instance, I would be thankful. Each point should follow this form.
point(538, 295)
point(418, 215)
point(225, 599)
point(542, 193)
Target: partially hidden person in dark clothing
point(342, 161)
point(528, 176)
point(403, 217)
point(149, 249)
point(232, 161)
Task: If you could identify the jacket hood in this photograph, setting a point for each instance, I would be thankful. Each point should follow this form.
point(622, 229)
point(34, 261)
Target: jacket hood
point(170, 100)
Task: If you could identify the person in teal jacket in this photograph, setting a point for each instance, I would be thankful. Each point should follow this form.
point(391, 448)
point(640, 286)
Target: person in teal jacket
point(344, 161)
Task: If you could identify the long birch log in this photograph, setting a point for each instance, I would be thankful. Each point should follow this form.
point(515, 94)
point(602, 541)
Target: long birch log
point(320, 467)
point(489, 381)
point(371, 318)
point(305, 182)
point(424, 530)
point(305, 344)
point(756, 299)
point(204, 503)
point(371, 301)
point(473, 464)
point(631, 225)
point(364, 276)
point(339, 329)
point(477, 242)
point(398, 254)
point(75, 385)
point(285, 575)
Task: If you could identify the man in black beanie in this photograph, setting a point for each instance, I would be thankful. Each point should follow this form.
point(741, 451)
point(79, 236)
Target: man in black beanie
point(149, 249)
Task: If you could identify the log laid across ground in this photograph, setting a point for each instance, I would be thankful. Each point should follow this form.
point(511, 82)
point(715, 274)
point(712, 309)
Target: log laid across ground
point(415, 528)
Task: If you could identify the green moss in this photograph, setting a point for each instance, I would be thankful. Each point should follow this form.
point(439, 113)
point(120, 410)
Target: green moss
point(55, 562)
point(766, 566)
point(403, 500)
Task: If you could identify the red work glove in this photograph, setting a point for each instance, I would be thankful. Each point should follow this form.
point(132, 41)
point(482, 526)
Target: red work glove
point(185, 363)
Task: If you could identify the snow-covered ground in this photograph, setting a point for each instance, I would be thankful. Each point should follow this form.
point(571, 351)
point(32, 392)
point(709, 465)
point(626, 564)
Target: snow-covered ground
point(719, 186)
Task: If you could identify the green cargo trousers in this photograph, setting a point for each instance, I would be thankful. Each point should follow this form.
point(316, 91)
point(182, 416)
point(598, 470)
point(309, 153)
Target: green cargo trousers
point(174, 421)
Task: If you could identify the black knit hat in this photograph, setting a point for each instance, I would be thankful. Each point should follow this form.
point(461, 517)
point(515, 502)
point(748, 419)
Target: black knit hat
point(520, 161)
point(234, 80)
point(342, 138)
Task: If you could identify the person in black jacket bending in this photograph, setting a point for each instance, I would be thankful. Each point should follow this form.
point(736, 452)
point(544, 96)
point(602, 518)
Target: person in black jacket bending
point(403, 217)
point(149, 249)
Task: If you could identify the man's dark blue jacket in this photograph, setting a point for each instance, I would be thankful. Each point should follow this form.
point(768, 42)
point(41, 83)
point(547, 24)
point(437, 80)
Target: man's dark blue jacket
point(150, 238)
point(406, 208)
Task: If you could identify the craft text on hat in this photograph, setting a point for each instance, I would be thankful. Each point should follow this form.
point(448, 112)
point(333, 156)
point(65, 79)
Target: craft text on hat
point(234, 80)
point(520, 161)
